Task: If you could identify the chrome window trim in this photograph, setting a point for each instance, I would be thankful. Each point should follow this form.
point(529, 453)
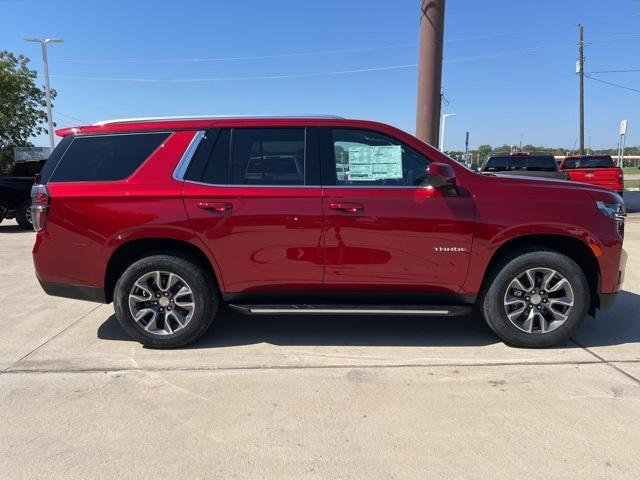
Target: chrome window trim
point(218, 185)
point(187, 156)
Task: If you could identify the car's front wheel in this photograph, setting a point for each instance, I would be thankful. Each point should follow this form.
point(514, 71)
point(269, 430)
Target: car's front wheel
point(165, 301)
point(537, 299)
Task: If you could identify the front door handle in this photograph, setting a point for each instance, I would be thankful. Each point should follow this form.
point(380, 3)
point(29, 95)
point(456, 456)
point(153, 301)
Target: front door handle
point(219, 207)
point(347, 207)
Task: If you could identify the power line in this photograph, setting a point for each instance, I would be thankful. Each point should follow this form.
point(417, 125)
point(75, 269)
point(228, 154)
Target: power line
point(632, 70)
point(508, 53)
point(345, 50)
point(258, 77)
point(249, 57)
point(314, 74)
point(613, 38)
point(612, 84)
point(69, 117)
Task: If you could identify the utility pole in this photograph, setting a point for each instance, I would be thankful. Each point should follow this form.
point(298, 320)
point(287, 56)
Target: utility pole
point(430, 70)
point(45, 62)
point(580, 69)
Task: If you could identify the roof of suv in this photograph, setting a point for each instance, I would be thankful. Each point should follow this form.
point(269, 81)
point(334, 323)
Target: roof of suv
point(193, 122)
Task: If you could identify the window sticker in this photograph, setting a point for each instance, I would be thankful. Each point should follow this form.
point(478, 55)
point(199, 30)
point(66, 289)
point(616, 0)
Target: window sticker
point(370, 163)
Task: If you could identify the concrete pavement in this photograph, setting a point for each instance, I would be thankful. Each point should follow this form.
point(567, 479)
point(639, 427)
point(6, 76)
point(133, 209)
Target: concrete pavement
point(331, 397)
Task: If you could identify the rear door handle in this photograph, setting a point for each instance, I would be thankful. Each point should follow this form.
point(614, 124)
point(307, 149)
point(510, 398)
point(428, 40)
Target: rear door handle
point(347, 207)
point(219, 207)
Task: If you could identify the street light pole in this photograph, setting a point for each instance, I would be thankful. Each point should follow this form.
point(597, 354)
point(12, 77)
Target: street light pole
point(45, 61)
point(442, 128)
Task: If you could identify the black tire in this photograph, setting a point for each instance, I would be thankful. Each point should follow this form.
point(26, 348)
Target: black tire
point(492, 301)
point(23, 215)
point(205, 298)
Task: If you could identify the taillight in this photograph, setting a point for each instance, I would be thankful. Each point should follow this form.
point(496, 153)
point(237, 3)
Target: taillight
point(39, 206)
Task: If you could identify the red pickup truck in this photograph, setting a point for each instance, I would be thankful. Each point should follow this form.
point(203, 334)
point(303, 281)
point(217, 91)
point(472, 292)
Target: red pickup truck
point(170, 219)
point(599, 170)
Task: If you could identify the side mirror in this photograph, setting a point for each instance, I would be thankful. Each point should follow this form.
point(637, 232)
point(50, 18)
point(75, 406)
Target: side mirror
point(440, 174)
point(440, 181)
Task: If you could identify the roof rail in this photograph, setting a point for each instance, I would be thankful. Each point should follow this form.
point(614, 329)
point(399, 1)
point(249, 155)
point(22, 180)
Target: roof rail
point(205, 117)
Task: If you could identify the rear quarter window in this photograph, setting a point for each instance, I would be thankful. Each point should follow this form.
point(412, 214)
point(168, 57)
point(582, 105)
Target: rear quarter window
point(105, 157)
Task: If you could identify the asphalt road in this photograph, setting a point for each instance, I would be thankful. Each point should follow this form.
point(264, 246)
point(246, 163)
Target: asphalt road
point(329, 397)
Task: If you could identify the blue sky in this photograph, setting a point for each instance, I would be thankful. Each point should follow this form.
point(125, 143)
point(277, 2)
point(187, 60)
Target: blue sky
point(528, 90)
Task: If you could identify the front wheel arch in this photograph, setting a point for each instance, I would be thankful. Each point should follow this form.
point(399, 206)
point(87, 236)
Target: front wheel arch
point(575, 249)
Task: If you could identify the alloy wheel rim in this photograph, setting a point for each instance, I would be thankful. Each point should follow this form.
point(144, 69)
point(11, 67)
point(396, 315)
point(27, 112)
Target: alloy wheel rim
point(161, 302)
point(27, 215)
point(539, 300)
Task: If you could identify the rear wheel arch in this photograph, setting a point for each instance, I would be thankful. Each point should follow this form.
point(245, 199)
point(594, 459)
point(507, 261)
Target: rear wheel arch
point(573, 248)
point(129, 252)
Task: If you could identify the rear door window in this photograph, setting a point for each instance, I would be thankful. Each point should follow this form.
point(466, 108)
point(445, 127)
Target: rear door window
point(105, 157)
point(268, 156)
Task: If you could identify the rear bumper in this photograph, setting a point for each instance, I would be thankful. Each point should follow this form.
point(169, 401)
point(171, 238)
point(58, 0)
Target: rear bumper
point(78, 292)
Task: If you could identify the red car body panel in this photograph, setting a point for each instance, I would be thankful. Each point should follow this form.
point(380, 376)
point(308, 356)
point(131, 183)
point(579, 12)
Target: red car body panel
point(267, 238)
point(271, 239)
point(611, 178)
point(399, 239)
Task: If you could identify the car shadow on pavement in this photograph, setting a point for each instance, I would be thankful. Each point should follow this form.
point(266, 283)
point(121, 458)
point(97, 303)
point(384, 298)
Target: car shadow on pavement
point(11, 228)
point(235, 329)
point(632, 201)
point(617, 326)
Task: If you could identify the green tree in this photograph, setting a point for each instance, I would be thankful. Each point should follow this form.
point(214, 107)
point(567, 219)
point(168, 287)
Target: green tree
point(22, 106)
point(483, 152)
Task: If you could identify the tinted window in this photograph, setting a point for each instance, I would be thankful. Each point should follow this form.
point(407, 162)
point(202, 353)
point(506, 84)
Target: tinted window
point(517, 163)
point(54, 158)
point(217, 169)
point(27, 169)
point(496, 164)
point(268, 156)
point(539, 163)
point(364, 157)
point(588, 162)
point(106, 157)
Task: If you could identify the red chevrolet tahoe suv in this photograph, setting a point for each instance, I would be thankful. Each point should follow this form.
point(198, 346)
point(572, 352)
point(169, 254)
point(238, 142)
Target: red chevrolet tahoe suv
point(172, 218)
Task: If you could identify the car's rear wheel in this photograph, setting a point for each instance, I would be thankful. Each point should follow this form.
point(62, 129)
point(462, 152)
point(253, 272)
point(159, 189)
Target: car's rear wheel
point(537, 299)
point(165, 301)
point(23, 215)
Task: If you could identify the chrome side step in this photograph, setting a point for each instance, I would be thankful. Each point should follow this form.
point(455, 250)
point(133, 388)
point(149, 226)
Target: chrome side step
point(425, 310)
